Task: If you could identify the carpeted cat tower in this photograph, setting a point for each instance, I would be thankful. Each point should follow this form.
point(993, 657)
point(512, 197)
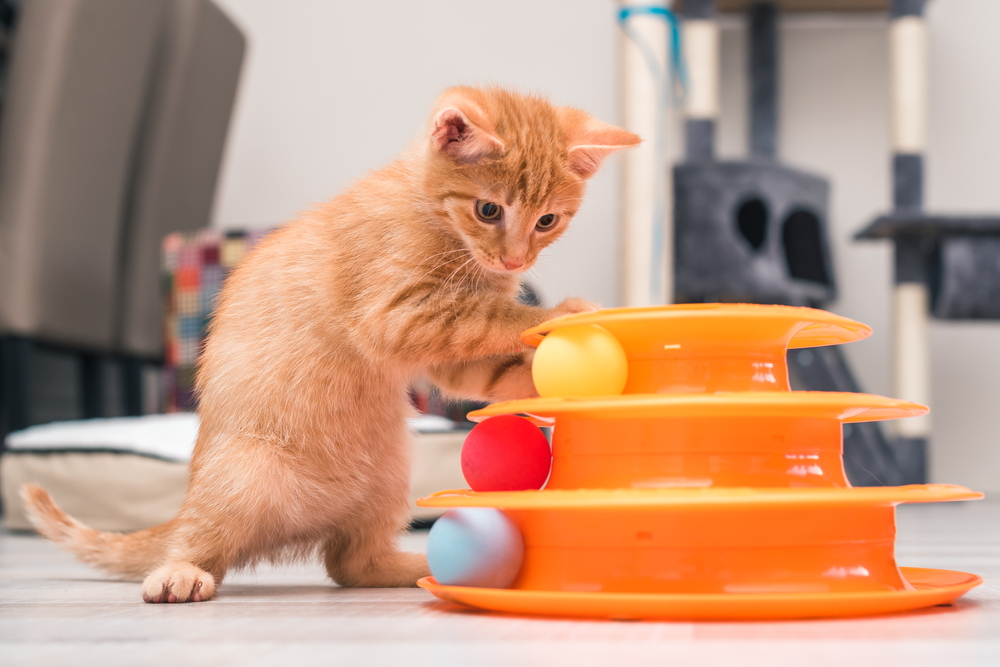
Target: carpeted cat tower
point(945, 266)
point(755, 230)
point(751, 230)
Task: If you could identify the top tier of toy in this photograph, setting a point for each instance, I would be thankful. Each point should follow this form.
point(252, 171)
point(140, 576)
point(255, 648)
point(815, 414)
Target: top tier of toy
point(711, 347)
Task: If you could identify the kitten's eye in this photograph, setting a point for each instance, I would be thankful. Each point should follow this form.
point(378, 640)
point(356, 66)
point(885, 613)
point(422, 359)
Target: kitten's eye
point(487, 211)
point(547, 221)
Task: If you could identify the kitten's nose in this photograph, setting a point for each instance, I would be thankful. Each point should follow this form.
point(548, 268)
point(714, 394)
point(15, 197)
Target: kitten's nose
point(511, 264)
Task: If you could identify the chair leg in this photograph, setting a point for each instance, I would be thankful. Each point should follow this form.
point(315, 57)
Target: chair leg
point(91, 385)
point(14, 354)
point(132, 386)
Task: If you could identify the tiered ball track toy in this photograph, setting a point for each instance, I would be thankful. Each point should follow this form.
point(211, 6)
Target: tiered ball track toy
point(707, 489)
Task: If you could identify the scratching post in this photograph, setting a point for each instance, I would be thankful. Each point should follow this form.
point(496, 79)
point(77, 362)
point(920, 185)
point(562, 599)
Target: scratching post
point(755, 230)
point(645, 222)
point(763, 20)
point(701, 55)
point(911, 350)
point(749, 230)
point(945, 265)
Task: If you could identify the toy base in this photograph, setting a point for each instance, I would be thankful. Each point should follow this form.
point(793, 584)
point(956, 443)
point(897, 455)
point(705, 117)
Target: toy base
point(931, 587)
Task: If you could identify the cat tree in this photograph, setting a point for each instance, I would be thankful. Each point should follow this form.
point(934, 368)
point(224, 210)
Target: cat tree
point(755, 229)
point(945, 266)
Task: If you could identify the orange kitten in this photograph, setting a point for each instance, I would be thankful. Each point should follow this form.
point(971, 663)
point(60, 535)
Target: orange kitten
point(411, 272)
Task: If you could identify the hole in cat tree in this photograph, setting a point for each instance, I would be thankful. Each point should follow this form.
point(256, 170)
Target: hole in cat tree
point(751, 218)
point(802, 238)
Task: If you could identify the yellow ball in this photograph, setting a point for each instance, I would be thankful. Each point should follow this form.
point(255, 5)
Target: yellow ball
point(585, 360)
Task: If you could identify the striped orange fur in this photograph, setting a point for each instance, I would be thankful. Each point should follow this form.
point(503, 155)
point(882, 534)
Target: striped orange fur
point(321, 329)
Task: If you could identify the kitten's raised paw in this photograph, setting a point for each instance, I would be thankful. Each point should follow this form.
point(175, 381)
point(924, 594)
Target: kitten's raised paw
point(178, 582)
point(573, 305)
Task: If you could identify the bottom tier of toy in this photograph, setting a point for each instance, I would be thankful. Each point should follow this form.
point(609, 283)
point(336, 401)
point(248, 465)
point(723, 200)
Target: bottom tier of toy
point(925, 588)
point(708, 542)
point(736, 549)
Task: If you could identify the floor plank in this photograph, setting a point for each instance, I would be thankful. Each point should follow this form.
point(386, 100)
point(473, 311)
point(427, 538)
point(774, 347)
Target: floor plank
point(55, 611)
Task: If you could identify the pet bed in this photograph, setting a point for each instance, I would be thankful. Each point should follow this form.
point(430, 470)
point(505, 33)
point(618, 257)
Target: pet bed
point(130, 473)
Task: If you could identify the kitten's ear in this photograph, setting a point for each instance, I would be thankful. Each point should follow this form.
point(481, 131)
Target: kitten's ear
point(455, 135)
point(590, 141)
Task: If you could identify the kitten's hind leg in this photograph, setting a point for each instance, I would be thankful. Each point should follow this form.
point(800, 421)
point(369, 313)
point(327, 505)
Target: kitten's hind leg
point(372, 560)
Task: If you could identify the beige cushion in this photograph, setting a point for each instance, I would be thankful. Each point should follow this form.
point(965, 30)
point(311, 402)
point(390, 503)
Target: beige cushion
point(117, 492)
point(437, 466)
point(110, 488)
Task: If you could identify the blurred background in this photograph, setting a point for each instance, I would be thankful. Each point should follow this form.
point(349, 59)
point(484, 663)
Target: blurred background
point(206, 123)
point(332, 89)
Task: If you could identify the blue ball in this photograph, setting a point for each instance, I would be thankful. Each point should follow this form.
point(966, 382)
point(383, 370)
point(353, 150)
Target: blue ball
point(475, 546)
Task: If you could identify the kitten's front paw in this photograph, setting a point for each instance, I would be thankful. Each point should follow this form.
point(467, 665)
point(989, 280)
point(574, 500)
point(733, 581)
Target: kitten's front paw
point(178, 582)
point(515, 382)
point(572, 306)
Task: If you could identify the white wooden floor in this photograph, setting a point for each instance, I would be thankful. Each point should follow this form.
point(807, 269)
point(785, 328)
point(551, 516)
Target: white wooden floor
point(54, 611)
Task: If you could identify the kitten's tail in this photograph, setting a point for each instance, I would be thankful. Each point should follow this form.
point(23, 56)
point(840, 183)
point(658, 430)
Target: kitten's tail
point(131, 555)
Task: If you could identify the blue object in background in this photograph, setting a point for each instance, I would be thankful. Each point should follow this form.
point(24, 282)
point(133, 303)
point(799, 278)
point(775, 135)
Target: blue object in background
point(475, 546)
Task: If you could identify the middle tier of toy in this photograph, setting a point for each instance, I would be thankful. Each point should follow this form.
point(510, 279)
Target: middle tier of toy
point(757, 439)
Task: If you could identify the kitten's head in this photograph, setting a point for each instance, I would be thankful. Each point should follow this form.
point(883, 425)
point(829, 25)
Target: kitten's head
point(507, 172)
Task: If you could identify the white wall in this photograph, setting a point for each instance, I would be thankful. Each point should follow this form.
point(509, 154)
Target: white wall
point(332, 89)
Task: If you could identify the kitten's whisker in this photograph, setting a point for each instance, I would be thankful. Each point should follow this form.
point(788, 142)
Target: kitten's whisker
point(450, 281)
point(486, 277)
point(543, 270)
point(444, 261)
point(460, 267)
point(446, 252)
point(479, 275)
point(441, 263)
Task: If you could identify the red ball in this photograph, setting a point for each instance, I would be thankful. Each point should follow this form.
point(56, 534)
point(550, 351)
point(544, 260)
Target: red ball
point(506, 453)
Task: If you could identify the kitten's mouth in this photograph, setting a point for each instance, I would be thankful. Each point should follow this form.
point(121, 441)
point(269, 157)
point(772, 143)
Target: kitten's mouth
point(508, 267)
point(501, 266)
